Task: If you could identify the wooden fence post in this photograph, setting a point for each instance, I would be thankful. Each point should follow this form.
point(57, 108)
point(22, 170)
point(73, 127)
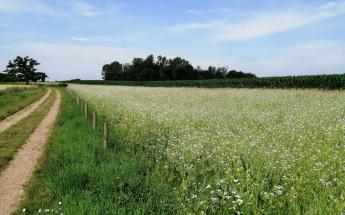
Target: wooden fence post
point(85, 109)
point(94, 121)
point(105, 135)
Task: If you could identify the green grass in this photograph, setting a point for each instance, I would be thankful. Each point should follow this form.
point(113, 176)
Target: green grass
point(15, 101)
point(87, 179)
point(15, 136)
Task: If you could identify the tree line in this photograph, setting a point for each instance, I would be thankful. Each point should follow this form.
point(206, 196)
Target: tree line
point(22, 69)
point(162, 68)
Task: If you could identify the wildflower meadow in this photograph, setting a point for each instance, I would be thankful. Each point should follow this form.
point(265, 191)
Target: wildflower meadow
point(235, 151)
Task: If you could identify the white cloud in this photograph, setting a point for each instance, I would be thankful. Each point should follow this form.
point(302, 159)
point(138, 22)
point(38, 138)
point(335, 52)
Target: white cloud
point(84, 9)
point(29, 6)
point(196, 12)
point(82, 39)
point(65, 8)
point(314, 57)
point(196, 26)
point(266, 23)
point(61, 61)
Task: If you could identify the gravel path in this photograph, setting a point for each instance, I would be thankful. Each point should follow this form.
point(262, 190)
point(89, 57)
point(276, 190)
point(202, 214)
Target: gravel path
point(15, 118)
point(20, 169)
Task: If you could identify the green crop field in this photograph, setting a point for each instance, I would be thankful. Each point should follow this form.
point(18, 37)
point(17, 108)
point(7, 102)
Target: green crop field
point(250, 151)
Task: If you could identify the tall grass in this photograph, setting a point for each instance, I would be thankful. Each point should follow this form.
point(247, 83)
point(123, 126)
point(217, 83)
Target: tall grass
point(12, 100)
point(78, 176)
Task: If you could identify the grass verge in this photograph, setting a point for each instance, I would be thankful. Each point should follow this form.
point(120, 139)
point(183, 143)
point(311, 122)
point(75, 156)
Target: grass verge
point(76, 175)
point(15, 101)
point(15, 136)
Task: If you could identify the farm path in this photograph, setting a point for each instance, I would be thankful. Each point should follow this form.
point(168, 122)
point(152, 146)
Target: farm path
point(20, 169)
point(15, 118)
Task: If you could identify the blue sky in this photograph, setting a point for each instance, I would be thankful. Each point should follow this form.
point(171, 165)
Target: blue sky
point(74, 38)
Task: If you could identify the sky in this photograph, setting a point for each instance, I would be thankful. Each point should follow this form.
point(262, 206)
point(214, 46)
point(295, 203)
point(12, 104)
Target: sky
point(75, 38)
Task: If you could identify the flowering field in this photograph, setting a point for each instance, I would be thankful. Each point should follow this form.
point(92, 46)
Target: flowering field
point(6, 86)
point(240, 151)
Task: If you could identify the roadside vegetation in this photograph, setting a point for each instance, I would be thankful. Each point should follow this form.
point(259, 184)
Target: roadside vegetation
point(13, 99)
point(78, 176)
point(16, 135)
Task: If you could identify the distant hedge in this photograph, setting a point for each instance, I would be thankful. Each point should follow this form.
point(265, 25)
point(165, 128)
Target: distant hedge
point(336, 81)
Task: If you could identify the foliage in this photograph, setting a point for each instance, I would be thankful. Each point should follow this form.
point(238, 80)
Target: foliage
point(52, 84)
point(22, 69)
point(312, 81)
point(228, 151)
point(177, 68)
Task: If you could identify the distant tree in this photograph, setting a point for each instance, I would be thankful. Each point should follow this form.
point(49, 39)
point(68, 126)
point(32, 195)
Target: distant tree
point(23, 69)
point(162, 67)
point(221, 72)
point(240, 74)
point(180, 69)
point(40, 76)
point(112, 71)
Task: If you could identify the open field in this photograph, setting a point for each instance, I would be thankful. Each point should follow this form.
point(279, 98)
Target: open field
point(12, 102)
point(229, 150)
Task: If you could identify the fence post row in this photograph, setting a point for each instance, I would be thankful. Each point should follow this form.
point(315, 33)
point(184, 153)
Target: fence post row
point(94, 119)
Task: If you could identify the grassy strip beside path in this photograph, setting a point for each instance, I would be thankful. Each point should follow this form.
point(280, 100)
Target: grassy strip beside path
point(15, 101)
point(78, 176)
point(15, 136)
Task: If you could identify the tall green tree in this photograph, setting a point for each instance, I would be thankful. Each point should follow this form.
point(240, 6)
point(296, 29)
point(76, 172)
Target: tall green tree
point(23, 69)
point(112, 71)
point(40, 76)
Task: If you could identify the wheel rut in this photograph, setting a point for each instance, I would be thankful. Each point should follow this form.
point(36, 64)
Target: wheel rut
point(20, 169)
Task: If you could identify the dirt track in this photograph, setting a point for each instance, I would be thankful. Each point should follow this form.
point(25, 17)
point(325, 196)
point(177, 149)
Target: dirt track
point(20, 169)
point(15, 118)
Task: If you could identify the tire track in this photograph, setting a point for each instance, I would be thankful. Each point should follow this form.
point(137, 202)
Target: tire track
point(20, 169)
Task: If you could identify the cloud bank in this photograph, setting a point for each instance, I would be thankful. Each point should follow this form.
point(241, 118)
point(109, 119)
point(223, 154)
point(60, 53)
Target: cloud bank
point(264, 23)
